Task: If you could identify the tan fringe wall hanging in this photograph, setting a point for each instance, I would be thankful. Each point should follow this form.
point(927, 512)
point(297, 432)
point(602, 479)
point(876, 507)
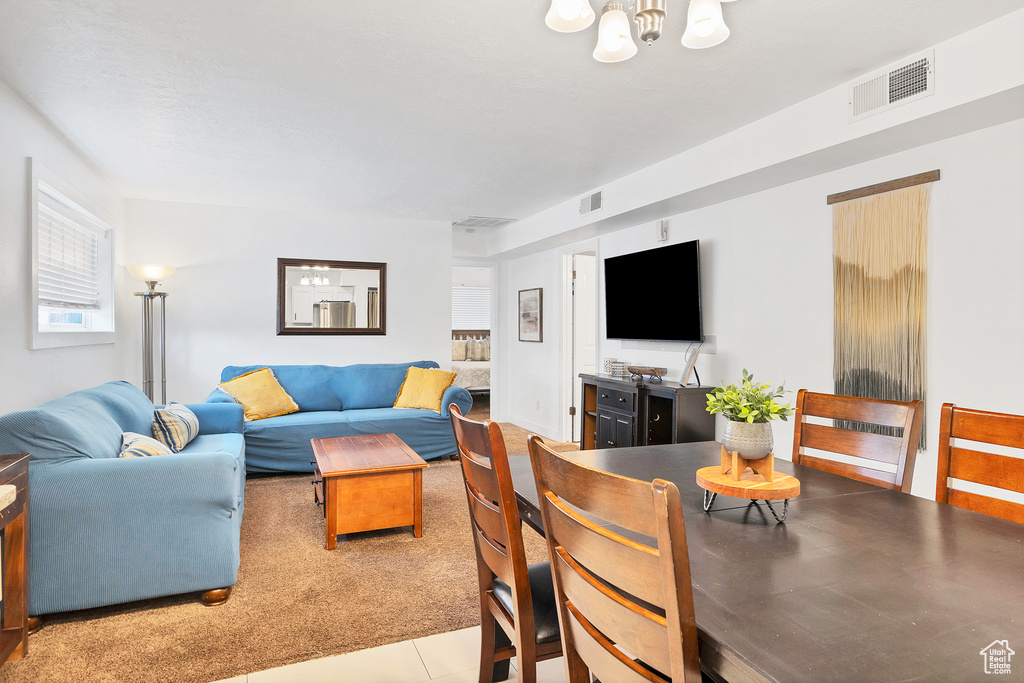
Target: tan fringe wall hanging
point(880, 249)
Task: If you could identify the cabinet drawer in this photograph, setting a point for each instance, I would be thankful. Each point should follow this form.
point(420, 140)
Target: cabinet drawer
point(615, 399)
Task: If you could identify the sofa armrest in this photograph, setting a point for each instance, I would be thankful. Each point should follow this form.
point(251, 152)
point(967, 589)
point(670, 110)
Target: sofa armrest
point(111, 530)
point(218, 395)
point(218, 418)
point(459, 397)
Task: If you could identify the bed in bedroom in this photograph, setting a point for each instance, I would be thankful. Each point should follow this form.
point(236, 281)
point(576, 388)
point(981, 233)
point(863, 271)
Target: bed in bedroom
point(471, 360)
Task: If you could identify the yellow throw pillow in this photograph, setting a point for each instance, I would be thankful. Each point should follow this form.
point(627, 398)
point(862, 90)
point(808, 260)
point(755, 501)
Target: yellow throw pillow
point(423, 388)
point(260, 394)
point(135, 445)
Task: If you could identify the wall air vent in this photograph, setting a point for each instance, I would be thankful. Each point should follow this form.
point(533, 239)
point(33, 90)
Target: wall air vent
point(896, 85)
point(592, 202)
point(471, 223)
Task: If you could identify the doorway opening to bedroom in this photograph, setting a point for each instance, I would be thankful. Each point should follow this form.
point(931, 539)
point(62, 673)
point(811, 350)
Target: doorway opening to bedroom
point(471, 335)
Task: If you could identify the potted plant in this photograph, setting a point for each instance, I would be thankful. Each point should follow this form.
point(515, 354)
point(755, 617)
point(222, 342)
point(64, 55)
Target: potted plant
point(748, 409)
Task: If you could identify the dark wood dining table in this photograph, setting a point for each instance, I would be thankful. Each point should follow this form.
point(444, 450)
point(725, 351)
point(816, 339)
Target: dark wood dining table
point(859, 584)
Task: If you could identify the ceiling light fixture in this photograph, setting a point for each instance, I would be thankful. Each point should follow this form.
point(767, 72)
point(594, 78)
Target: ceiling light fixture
point(705, 26)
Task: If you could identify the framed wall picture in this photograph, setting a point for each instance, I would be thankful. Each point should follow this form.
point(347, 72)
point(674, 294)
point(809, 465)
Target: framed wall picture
point(531, 315)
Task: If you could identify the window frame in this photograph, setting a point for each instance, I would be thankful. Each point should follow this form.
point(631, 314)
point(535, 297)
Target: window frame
point(45, 337)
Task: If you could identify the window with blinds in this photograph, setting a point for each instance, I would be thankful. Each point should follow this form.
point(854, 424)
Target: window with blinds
point(471, 307)
point(68, 256)
point(72, 270)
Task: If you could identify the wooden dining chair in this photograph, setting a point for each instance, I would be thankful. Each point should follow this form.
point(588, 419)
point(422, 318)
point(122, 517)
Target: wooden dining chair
point(871, 449)
point(967, 464)
point(625, 607)
point(513, 595)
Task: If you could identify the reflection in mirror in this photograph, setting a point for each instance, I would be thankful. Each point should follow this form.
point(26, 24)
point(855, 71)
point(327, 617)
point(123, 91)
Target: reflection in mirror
point(330, 297)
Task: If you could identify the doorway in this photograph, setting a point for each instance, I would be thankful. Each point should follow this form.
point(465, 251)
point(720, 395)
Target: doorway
point(581, 337)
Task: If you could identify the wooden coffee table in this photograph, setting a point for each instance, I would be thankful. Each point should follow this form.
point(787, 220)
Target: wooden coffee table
point(366, 483)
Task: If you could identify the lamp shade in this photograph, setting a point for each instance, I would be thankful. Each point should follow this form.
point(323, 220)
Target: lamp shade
point(151, 272)
point(614, 40)
point(705, 26)
point(568, 16)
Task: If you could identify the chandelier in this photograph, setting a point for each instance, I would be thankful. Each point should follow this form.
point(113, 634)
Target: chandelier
point(705, 26)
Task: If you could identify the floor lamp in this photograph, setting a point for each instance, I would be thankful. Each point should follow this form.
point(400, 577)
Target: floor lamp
point(151, 275)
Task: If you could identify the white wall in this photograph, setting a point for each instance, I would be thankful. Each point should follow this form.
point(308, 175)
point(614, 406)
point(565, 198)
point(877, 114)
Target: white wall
point(766, 263)
point(33, 376)
point(526, 374)
point(222, 304)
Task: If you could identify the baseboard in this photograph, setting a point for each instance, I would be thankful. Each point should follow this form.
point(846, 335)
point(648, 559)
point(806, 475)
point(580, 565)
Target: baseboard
point(539, 430)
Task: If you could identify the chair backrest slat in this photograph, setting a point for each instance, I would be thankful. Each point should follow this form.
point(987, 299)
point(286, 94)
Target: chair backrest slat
point(836, 407)
point(999, 471)
point(617, 500)
point(969, 464)
point(870, 446)
point(609, 555)
point(632, 627)
point(878, 447)
point(480, 475)
point(617, 598)
point(494, 556)
point(604, 660)
point(864, 474)
point(487, 517)
point(995, 428)
point(986, 505)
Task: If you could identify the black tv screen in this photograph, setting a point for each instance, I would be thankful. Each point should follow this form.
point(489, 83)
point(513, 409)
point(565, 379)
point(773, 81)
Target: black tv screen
point(654, 295)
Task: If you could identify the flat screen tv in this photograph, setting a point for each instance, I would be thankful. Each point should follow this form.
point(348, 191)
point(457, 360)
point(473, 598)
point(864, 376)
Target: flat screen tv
point(654, 295)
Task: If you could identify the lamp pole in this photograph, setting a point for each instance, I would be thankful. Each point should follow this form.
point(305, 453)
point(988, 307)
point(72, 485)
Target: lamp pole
point(147, 340)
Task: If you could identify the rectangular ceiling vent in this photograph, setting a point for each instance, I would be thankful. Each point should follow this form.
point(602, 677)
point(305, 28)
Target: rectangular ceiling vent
point(896, 85)
point(471, 223)
point(591, 203)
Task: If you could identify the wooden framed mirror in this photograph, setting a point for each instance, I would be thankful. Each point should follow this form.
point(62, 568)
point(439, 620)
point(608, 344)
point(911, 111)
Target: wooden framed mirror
point(330, 297)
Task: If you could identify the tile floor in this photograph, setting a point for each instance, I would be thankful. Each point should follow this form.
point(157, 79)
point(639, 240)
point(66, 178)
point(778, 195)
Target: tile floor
point(444, 658)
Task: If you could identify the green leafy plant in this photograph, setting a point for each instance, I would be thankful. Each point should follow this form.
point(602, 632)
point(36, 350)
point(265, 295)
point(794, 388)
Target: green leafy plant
point(749, 402)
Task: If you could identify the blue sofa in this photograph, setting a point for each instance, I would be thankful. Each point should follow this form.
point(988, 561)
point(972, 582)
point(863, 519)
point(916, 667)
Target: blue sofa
point(342, 401)
point(105, 530)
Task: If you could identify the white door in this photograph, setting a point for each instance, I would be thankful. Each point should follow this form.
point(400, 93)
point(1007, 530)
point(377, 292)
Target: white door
point(584, 328)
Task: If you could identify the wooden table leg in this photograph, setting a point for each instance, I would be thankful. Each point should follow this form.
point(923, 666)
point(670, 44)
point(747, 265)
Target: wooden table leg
point(417, 503)
point(331, 511)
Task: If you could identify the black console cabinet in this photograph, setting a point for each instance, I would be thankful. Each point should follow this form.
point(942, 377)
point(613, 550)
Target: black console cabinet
point(619, 412)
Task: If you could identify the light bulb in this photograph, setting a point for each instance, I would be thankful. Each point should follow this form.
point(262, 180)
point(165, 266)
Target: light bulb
point(705, 26)
point(614, 42)
point(568, 16)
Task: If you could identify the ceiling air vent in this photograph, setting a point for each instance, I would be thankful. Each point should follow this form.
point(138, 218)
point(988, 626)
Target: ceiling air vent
point(898, 84)
point(592, 202)
point(471, 223)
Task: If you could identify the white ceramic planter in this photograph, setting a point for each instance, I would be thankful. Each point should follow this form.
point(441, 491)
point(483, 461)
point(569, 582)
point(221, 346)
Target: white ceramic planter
point(751, 439)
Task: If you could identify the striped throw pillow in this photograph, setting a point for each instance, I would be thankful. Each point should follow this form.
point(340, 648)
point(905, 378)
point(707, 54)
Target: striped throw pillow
point(139, 446)
point(175, 425)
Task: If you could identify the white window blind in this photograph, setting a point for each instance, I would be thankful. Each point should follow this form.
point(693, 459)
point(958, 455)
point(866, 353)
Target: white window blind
point(68, 257)
point(471, 307)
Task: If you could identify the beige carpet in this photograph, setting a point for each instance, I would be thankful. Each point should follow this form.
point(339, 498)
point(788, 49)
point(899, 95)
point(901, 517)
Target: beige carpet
point(294, 600)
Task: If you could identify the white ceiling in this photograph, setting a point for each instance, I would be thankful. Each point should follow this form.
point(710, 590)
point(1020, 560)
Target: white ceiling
point(416, 109)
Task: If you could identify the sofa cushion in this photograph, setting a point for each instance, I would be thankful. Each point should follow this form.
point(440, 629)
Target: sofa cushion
point(174, 426)
point(423, 388)
point(308, 385)
point(372, 385)
point(260, 394)
point(135, 445)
